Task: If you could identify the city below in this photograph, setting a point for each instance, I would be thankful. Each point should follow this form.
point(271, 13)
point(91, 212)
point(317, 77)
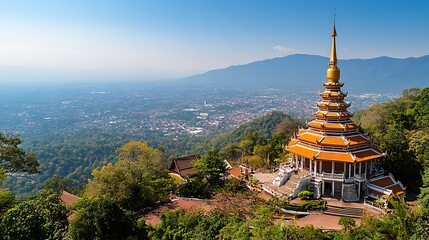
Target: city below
point(164, 111)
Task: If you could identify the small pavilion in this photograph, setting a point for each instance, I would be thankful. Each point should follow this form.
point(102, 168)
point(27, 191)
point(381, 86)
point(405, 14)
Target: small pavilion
point(182, 166)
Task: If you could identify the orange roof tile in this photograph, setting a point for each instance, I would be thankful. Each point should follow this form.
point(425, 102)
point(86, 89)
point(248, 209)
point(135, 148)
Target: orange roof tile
point(293, 141)
point(333, 105)
point(312, 152)
point(309, 138)
point(397, 189)
point(333, 95)
point(332, 115)
point(322, 139)
point(366, 155)
point(383, 182)
point(377, 193)
point(357, 140)
point(302, 151)
point(333, 126)
point(335, 156)
point(333, 141)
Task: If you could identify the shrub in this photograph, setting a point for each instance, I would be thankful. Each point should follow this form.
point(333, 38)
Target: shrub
point(347, 222)
point(195, 188)
point(253, 180)
point(305, 194)
point(234, 185)
point(6, 199)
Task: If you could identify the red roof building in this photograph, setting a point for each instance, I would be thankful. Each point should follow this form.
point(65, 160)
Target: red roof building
point(183, 166)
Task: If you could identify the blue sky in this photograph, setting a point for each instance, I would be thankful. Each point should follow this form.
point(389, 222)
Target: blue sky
point(142, 39)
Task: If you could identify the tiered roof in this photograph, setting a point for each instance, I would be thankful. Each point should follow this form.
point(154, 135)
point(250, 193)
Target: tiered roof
point(332, 135)
point(385, 186)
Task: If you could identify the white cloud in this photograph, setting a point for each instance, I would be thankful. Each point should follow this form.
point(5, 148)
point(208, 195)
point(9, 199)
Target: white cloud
point(283, 49)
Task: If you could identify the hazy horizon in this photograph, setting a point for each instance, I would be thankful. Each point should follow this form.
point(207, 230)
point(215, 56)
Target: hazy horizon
point(143, 40)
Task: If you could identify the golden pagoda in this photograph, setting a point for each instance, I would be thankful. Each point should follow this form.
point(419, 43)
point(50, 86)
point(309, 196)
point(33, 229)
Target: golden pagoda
point(337, 158)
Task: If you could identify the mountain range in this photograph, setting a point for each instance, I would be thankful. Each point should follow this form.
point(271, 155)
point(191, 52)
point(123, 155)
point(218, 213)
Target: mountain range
point(307, 72)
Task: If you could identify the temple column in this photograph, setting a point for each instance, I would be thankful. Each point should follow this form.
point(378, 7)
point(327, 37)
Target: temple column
point(298, 159)
point(370, 167)
point(360, 169)
point(344, 172)
point(320, 168)
point(359, 191)
point(354, 169)
point(296, 162)
point(366, 169)
point(310, 165)
point(333, 187)
point(323, 188)
point(350, 170)
point(315, 167)
point(333, 166)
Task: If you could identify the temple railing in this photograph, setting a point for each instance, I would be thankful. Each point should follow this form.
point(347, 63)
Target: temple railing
point(373, 205)
point(361, 177)
point(330, 176)
point(340, 177)
point(385, 191)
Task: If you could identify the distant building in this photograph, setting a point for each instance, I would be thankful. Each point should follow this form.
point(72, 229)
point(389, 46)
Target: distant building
point(68, 199)
point(333, 155)
point(182, 166)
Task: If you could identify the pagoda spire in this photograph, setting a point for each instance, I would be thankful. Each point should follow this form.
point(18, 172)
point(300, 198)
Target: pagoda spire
point(333, 72)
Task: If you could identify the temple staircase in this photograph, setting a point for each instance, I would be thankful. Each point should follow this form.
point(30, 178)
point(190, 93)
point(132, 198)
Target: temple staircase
point(344, 211)
point(293, 183)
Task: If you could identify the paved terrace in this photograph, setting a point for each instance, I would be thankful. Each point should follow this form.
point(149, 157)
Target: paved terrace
point(267, 180)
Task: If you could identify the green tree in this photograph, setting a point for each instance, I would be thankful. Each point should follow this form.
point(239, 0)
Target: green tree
point(277, 143)
point(100, 219)
point(424, 190)
point(245, 146)
point(209, 226)
point(13, 158)
point(236, 229)
point(212, 168)
point(41, 218)
point(401, 222)
point(255, 161)
point(348, 223)
point(57, 184)
point(195, 187)
point(136, 181)
point(422, 225)
point(262, 150)
point(2, 175)
point(288, 126)
point(176, 225)
point(6, 199)
point(419, 109)
point(262, 224)
point(230, 152)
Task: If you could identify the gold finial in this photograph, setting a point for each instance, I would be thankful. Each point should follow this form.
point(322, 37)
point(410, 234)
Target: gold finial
point(333, 72)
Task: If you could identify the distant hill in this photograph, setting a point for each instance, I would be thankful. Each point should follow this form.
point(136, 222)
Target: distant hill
point(263, 126)
point(382, 74)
